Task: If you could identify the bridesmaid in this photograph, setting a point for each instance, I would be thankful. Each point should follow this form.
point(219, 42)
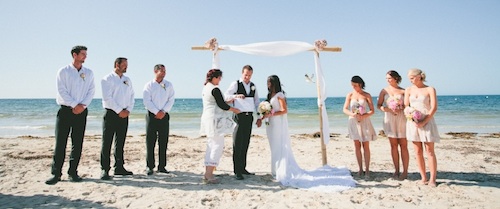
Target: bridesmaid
point(390, 101)
point(422, 131)
point(359, 107)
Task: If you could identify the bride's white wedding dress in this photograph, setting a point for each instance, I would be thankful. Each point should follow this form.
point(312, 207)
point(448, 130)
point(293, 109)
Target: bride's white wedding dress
point(286, 170)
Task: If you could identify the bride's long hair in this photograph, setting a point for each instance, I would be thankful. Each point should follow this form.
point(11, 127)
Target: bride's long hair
point(275, 86)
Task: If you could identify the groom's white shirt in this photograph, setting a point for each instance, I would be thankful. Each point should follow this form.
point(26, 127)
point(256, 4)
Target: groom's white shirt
point(233, 88)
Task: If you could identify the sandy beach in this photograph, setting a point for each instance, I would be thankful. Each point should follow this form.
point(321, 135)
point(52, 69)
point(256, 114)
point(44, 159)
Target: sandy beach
point(468, 176)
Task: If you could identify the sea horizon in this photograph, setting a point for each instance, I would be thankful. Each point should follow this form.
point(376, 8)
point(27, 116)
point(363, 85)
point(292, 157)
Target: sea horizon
point(456, 113)
point(262, 98)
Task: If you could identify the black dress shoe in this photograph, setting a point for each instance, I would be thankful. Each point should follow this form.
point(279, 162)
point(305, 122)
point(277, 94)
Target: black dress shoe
point(247, 173)
point(53, 180)
point(239, 176)
point(122, 172)
point(75, 178)
point(163, 170)
point(105, 175)
point(149, 171)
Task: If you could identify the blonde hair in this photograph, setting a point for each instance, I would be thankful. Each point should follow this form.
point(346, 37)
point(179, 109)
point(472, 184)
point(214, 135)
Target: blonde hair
point(416, 71)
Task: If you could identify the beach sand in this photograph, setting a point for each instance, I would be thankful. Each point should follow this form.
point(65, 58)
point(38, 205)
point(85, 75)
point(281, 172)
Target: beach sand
point(468, 176)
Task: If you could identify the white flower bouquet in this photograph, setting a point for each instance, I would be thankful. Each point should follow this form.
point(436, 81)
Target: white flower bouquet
point(265, 108)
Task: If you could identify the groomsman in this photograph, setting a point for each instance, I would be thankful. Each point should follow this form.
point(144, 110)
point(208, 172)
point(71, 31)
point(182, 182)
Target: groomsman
point(244, 94)
point(75, 90)
point(118, 100)
point(158, 98)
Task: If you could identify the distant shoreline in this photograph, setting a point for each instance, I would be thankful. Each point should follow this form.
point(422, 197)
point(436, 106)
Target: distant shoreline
point(448, 135)
point(263, 98)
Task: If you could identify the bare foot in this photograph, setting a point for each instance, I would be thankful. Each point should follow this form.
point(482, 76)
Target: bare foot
point(395, 175)
point(432, 184)
point(210, 181)
point(423, 182)
point(360, 173)
point(403, 176)
point(367, 175)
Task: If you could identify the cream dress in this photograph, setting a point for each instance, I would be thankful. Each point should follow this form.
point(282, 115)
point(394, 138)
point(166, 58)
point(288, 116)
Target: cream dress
point(428, 133)
point(394, 125)
point(360, 130)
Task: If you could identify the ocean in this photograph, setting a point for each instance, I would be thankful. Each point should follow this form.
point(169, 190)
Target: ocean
point(36, 117)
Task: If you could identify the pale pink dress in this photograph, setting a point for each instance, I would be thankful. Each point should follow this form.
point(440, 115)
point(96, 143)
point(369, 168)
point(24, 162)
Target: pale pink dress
point(428, 133)
point(360, 130)
point(394, 125)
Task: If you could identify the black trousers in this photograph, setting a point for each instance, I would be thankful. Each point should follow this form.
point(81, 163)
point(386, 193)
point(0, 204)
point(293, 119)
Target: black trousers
point(113, 127)
point(241, 140)
point(157, 130)
point(67, 122)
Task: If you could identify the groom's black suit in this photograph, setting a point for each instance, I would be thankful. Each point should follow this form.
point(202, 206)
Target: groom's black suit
point(242, 132)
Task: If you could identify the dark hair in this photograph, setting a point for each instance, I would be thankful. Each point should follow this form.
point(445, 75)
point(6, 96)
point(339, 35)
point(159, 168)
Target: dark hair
point(159, 66)
point(359, 80)
point(394, 75)
point(248, 67)
point(77, 49)
point(213, 73)
point(275, 85)
point(119, 60)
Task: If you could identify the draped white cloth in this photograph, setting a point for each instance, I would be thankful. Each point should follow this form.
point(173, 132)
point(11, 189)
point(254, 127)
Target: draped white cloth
point(276, 48)
point(285, 48)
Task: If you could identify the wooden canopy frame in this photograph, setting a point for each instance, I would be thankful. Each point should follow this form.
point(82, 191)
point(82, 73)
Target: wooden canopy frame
point(325, 49)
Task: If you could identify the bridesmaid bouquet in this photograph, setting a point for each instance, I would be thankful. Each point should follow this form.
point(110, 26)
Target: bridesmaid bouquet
point(360, 109)
point(265, 108)
point(394, 103)
point(413, 114)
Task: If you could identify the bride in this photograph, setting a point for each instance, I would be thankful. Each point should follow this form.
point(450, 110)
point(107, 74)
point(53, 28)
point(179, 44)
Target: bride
point(283, 165)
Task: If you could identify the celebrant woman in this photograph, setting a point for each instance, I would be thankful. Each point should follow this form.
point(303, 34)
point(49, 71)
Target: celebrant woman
point(215, 123)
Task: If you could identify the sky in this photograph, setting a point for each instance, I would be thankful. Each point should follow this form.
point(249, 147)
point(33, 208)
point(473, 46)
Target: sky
point(455, 42)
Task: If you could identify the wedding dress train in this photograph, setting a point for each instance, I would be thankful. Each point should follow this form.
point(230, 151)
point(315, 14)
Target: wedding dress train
point(286, 170)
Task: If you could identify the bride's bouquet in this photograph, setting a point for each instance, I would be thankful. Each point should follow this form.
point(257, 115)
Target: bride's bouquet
point(394, 103)
point(265, 108)
point(413, 114)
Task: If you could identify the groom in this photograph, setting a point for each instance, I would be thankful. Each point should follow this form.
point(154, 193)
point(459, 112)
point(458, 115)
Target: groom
point(244, 95)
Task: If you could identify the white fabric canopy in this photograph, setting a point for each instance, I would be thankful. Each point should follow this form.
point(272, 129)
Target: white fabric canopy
point(276, 49)
point(285, 48)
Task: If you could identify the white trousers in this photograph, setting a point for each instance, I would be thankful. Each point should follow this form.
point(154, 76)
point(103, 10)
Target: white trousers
point(215, 147)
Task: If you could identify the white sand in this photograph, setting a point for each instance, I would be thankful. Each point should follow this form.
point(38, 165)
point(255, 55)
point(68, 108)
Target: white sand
point(468, 177)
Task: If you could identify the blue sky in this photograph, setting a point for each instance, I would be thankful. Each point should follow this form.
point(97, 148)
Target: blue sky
point(456, 42)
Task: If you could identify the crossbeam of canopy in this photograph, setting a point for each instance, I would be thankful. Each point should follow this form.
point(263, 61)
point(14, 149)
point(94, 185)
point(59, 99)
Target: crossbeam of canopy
point(285, 48)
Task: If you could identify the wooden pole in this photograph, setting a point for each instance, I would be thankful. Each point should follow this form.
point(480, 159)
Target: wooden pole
point(323, 146)
point(322, 137)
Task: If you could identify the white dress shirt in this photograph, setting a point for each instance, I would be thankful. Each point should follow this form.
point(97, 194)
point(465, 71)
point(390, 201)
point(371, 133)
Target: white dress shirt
point(158, 96)
point(75, 87)
point(233, 88)
point(117, 93)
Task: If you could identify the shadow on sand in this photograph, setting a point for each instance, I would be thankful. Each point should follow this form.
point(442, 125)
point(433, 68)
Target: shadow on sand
point(45, 201)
